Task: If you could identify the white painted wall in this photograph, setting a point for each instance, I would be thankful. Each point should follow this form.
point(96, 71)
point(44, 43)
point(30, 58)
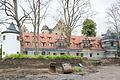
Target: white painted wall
point(94, 54)
point(86, 53)
point(10, 45)
point(110, 55)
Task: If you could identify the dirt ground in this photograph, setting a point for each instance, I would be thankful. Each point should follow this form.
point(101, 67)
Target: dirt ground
point(111, 72)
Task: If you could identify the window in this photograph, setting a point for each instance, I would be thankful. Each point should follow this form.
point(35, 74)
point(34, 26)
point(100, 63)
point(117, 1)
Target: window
point(43, 53)
point(97, 53)
point(18, 38)
point(62, 38)
point(3, 53)
point(50, 44)
point(73, 38)
point(25, 52)
point(43, 43)
point(54, 53)
point(27, 36)
point(49, 38)
point(61, 44)
point(111, 43)
point(82, 54)
point(42, 38)
point(79, 44)
point(77, 54)
point(90, 54)
point(3, 37)
point(48, 53)
point(62, 53)
point(28, 43)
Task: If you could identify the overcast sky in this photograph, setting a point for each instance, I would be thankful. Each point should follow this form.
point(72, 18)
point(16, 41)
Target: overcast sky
point(100, 6)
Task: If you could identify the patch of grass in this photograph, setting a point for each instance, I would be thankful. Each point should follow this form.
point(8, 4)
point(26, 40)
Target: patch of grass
point(22, 56)
point(77, 69)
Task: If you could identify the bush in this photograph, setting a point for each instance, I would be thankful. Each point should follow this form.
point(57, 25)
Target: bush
point(62, 57)
point(77, 69)
point(22, 56)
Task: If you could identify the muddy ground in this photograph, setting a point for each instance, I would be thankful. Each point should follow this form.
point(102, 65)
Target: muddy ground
point(111, 72)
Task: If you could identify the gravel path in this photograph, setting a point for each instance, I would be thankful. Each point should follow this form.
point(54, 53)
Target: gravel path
point(105, 73)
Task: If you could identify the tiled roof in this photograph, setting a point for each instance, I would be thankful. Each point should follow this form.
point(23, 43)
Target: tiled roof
point(11, 29)
point(76, 41)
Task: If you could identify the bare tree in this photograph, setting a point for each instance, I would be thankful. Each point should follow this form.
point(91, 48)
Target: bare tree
point(113, 19)
point(11, 10)
point(38, 11)
point(73, 12)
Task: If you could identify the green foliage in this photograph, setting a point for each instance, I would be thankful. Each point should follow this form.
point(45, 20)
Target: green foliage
point(62, 57)
point(22, 56)
point(77, 69)
point(19, 56)
point(89, 28)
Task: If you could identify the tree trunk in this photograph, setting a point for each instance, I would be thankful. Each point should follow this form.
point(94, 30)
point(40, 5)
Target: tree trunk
point(18, 25)
point(68, 38)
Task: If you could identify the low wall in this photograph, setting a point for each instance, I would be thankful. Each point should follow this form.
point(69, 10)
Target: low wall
point(35, 63)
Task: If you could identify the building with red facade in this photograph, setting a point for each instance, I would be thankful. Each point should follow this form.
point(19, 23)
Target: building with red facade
point(53, 42)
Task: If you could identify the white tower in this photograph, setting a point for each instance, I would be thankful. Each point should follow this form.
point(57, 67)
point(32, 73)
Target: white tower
point(10, 41)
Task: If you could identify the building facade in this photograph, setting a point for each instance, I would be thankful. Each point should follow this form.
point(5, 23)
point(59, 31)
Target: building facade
point(55, 44)
point(10, 41)
point(110, 44)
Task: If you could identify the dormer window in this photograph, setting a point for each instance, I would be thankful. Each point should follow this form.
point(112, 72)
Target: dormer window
point(43, 44)
point(26, 36)
point(49, 38)
point(4, 37)
point(50, 44)
point(73, 38)
point(61, 44)
point(42, 37)
point(27, 43)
